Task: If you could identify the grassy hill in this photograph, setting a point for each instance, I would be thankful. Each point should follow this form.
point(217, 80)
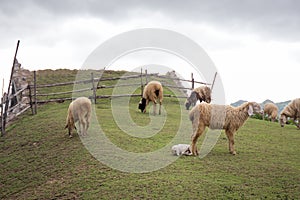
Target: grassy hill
point(39, 161)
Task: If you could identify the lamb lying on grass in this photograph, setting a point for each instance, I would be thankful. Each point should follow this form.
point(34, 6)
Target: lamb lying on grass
point(220, 117)
point(181, 149)
point(79, 111)
point(292, 110)
point(153, 91)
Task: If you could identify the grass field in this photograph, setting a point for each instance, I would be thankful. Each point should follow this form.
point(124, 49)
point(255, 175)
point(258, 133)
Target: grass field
point(39, 161)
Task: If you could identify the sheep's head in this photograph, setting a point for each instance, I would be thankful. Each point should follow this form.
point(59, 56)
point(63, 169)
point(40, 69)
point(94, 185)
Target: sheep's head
point(253, 108)
point(187, 104)
point(207, 94)
point(282, 120)
point(142, 105)
point(207, 99)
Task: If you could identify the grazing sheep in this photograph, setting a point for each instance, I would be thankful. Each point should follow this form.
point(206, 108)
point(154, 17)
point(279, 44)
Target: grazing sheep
point(292, 110)
point(220, 117)
point(152, 91)
point(271, 110)
point(181, 149)
point(79, 111)
point(202, 93)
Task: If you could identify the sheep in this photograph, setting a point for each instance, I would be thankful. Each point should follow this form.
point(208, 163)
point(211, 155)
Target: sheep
point(271, 110)
point(79, 111)
point(220, 117)
point(292, 110)
point(202, 93)
point(181, 149)
point(152, 91)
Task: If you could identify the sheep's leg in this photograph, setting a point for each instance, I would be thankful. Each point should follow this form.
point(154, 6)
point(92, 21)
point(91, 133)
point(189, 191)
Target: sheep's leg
point(230, 136)
point(87, 124)
point(79, 127)
point(83, 127)
point(159, 112)
point(154, 108)
point(147, 102)
point(197, 133)
point(153, 99)
point(298, 123)
point(273, 119)
point(70, 130)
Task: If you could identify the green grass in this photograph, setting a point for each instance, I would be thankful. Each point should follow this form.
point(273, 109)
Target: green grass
point(39, 161)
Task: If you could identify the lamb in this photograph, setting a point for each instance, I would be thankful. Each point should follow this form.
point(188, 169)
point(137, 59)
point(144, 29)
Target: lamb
point(202, 93)
point(153, 91)
point(181, 149)
point(292, 110)
point(220, 117)
point(79, 111)
point(271, 110)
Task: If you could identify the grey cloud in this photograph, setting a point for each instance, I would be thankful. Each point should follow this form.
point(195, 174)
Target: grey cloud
point(269, 18)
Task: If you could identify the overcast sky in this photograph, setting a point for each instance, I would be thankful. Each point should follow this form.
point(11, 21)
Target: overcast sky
point(255, 44)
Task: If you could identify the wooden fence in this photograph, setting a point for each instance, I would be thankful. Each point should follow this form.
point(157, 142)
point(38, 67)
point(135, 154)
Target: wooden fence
point(90, 85)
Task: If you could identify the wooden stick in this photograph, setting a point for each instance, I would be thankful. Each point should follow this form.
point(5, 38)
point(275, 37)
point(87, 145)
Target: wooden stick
point(212, 86)
point(94, 88)
point(34, 92)
point(8, 90)
point(68, 92)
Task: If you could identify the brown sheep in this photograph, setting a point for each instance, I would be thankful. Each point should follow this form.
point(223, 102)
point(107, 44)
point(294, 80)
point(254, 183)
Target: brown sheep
point(79, 111)
point(271, 110)
point(292, 110)
point(220, 117)
point(153, 91)
point(202, 93)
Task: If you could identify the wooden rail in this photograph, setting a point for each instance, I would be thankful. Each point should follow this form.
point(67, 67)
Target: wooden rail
point(94, 85)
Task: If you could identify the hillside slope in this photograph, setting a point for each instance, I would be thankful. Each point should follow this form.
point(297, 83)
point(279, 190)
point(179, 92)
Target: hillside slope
point(39, 161)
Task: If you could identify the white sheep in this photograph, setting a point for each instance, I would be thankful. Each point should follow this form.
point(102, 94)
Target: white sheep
point(292, 110)
point(220, 117)
point(181, 149)
point(79, 111)
point(271, 110)
point(202, 93)
point(153, 91)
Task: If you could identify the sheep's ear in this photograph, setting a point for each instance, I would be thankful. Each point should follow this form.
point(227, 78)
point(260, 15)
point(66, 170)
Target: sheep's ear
point(250, 110)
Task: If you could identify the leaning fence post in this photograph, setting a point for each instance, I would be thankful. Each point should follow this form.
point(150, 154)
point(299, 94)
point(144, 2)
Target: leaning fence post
point(146, 73)
point(94, 89)
point(213, 83)
point(142, 87)
point(193, 81)
point(2, 122)
point(34, 92)
point(30, 98)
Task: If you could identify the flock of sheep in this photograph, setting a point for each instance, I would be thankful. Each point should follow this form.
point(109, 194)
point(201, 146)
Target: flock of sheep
point(202, 115)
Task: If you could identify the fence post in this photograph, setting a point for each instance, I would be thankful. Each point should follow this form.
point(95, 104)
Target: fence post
point(2, 122)
point(94, 89)
point(213, 83)
point(34, 92)
point(8, 90)
point(146, 73)
point(193, 81)
point(142, 87)
point(30, 99)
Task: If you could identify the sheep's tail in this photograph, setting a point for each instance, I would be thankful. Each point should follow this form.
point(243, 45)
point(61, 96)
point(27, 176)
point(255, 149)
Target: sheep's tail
point(67, 121)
